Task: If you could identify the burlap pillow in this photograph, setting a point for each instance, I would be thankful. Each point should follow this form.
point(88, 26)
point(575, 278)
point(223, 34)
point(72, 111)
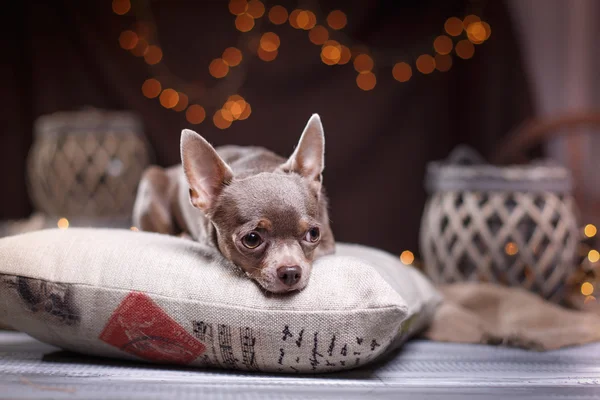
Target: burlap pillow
point(146, 296)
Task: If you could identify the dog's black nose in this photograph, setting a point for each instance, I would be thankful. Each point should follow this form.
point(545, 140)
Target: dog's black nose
point(289, 275)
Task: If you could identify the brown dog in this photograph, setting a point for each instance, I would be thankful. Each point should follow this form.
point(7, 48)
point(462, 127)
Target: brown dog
point(266, 214)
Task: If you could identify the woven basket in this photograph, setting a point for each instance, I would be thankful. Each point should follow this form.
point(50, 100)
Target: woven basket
point(86, 163)
point(513, 225)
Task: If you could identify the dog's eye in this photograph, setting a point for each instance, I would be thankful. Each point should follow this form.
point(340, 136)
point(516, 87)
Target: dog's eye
point(313, 235)
point(252, 240)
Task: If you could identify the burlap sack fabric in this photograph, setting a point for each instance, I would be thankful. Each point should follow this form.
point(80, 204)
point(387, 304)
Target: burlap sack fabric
point(146, 296)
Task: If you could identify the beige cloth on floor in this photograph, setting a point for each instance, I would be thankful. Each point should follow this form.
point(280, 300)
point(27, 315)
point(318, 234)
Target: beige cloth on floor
point(492, 314)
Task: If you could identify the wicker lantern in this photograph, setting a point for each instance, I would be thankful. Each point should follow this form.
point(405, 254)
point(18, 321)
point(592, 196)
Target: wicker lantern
point(87, 163)
point(513, 225)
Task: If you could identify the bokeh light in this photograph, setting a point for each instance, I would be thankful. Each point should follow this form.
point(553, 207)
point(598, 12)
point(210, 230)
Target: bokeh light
point(121, 7)
point(476, 33)
point(294, 18)
point(511, 248)
point(232, 56)
point(469, 19)
point(331, 52)
point(169, 98)
point(363, 63)
point(182, 102)
point(443, 62)
point(587, 288)
point(238, 7)
point(195, 114)
point(488, 30)
point(464, 49)
point(256, 8)
point(269, 42)
point(453, 26)
point(318, 35)
point(590, 230)
point(153, 55)
point(366, 81)
point(267, 55)
point(220, 121)
point(218, 68)
point(442, 44)
point(425, 64)
point(128, 40)
point(236, 105)
point(407, 257)
point(244, 23)
point(140, 48)
point(246, 113)
point(594, 256)
point(143, 29)
point(337, 20)
point(345, 56)
point(402, 72)
point(278, 15)
point(306, 20)
point(151, 88)
point(63, 223)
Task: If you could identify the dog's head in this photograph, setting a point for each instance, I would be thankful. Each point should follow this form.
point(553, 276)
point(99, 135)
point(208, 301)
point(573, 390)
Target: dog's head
point(271, 223)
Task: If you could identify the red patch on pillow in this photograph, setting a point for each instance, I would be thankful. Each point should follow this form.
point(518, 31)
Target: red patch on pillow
point(140, 327)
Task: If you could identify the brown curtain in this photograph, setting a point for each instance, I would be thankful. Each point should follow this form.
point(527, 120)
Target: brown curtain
point(64, 54)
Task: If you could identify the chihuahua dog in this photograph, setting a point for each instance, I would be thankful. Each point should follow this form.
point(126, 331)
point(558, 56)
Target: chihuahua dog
point(266, 214)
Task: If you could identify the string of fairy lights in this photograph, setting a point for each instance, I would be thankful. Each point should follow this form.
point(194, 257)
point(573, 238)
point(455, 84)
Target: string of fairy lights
point(459, 38)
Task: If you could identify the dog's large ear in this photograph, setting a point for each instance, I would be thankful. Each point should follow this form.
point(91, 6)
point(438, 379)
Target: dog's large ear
point(206, 172)
point(308, 159)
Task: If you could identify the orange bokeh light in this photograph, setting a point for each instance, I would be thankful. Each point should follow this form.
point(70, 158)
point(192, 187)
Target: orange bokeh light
point(238, 7)
point(218, 68)
point(306, 20)
point(128, 40)
point(195, 114)
point(151, 88)
point(318, 35)
point(453, 26)
point(269, 41)
point(366, 81)
point(443, 62)
point(331, 52)
point(246, 112)
point(345, 56)
point(182, 102)
point(153, 55)
point(256, 8)
point(220, 121)
point(232, 56)
point(476, 33)
point(488, 30)
point(294, 18)
point(266, 55)
point(140, 48)
point(402, 72)
point(469, 19)
point(464, 49)
point(363, 63)
point(337, 20)
point(278, 15)
point(169, 98)
point(442, 44)
point(121, 7)
point(244, 23)
point(425, 64)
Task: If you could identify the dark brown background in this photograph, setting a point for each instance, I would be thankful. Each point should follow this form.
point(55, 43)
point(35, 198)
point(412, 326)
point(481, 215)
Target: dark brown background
point(63, 55)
